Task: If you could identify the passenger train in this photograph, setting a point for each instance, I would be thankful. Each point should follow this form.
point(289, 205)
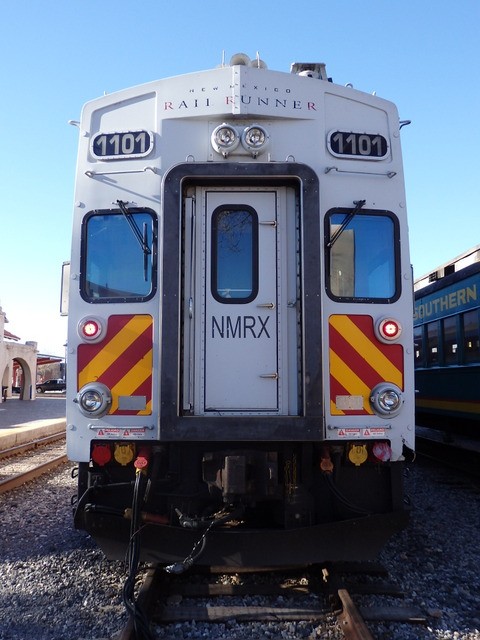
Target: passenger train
point(447, 346)
point(240, 384)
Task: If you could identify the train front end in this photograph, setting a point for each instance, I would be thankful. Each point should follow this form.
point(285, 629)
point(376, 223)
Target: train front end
point(240, 377)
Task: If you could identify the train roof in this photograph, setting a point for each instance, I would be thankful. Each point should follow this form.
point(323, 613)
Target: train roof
point(464, 260)
point(453, 281)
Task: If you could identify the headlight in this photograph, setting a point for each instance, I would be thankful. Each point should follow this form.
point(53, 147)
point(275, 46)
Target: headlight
point(94, 399)
point(386, 399)
point(255, 139)
point(225, 139)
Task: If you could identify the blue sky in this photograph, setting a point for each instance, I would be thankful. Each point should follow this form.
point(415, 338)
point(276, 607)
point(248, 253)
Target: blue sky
point(57, 54)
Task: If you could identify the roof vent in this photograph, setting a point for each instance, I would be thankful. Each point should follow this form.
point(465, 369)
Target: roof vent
point(310, 70)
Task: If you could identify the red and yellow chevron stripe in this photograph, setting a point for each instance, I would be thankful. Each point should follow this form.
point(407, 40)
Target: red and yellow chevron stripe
point(358, 362)
point(122, 361)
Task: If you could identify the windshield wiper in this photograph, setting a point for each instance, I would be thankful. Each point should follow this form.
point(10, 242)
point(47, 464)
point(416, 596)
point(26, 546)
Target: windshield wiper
point(142, 239)
point(358, 205)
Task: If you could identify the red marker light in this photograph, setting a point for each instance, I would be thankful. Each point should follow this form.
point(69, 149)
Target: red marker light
point(389, 330)
point(90, 329)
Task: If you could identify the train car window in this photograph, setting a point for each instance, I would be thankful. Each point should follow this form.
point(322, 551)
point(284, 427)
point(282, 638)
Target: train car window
point(118, 256)
point(234, 273)
point(471, 336)
point(362, 256)
point(450, 340)
point(419, 347)
point(432, 343)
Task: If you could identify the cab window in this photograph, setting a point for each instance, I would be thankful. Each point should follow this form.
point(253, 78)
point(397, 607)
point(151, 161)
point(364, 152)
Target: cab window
point(362, 256)
point(118, 255)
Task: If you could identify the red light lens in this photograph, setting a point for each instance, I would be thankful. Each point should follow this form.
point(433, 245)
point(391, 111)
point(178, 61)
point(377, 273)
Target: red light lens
point(390, 329)
point(91, 329)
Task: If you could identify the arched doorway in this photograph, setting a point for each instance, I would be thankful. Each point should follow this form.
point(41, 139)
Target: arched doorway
point(19, 364)
point(5, 377)
point(23, 379)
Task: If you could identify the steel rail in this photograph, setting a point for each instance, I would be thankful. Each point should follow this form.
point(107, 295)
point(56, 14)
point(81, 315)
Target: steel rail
point(157, 589)
point(352, 624)
point(20, 479)
point(33, 444)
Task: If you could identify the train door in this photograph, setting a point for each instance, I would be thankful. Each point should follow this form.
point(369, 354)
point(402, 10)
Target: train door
point(239, 329)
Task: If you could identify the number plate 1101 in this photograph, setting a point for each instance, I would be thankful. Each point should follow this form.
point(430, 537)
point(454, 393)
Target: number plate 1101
point(365, 145)
point(121, 144)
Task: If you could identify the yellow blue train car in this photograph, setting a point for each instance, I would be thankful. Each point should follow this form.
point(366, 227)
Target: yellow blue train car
point(447, 345)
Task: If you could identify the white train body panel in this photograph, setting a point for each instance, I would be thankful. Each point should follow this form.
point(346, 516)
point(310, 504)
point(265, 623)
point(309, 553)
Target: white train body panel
point(266, 272)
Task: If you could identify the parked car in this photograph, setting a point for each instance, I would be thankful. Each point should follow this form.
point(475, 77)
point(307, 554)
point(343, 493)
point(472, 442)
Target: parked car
point(56, 384)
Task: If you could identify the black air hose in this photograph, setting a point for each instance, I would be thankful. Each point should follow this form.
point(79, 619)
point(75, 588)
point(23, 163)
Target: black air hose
point(140, 621)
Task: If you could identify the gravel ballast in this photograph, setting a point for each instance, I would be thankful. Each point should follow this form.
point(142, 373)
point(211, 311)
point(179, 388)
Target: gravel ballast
point(56, 585)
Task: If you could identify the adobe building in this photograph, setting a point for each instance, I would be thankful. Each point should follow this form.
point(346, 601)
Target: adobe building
point(18, 359)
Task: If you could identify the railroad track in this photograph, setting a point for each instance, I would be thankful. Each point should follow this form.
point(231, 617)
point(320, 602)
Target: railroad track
point(23, 463)
point(33, 444)
point(322, 592)
point(460, 453)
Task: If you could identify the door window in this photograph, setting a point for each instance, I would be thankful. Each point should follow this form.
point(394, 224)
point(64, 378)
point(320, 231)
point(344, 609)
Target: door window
point(234, 254)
